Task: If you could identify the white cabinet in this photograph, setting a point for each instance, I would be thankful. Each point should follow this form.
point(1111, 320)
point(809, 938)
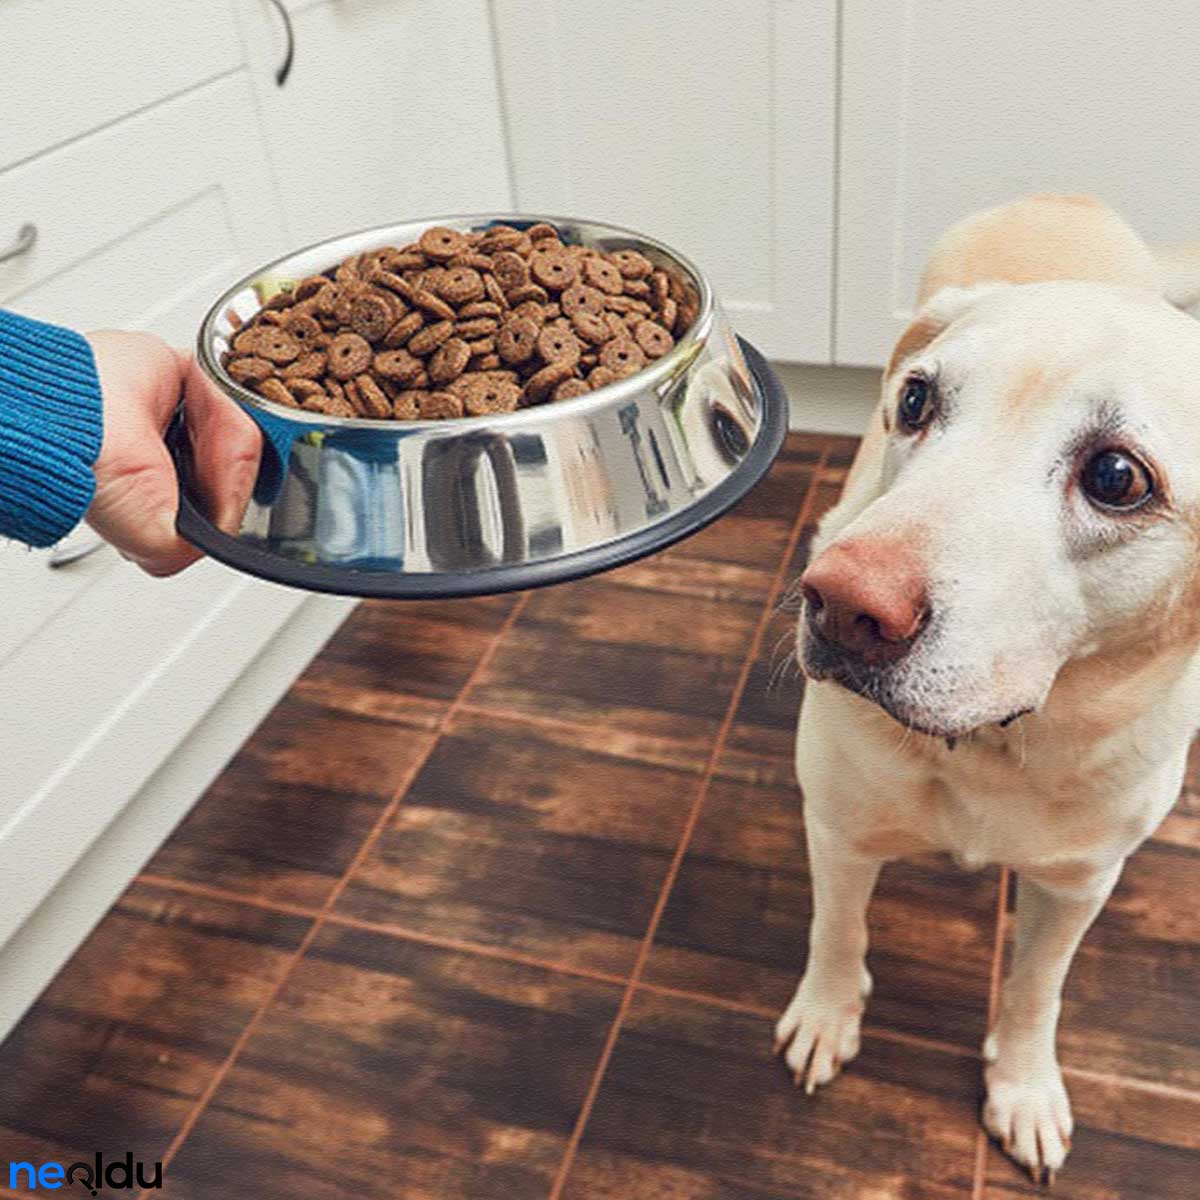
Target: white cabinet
point(390, 113)
point(948, 108)
point(143, 223)
point(149, 145)
point(709, 125)
point(103, 670)
point(74, 65)
point(160, 234)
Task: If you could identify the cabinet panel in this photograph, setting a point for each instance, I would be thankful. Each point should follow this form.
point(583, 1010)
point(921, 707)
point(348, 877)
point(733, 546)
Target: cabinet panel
point(103, 670)
point(706, 124)
point(948, 108)
point(75, 65)
point(107, 690)
point(178, 205)
point(390, 113)
point(142, 223)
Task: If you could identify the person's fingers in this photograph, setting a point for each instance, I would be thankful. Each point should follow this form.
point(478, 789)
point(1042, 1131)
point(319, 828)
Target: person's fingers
point(137, 493)
point(226, 448)
point(136, 513)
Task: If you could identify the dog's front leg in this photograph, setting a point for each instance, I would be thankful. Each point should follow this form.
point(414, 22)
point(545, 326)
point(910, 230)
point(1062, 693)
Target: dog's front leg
point(1027, 1107)
point(820, 1027)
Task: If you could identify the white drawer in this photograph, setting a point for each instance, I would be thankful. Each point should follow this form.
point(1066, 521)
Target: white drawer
point(142, 223)
point(74, 65)
point(103, 670)
point(33, 590)
point(101, 695)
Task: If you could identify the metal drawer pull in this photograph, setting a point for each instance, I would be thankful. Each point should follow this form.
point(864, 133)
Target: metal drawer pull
point(286, 66)
point(26, 236)
point(72, 551)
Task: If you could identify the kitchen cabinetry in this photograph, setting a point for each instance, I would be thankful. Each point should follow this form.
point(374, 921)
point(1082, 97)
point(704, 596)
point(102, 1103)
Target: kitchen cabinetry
point(390, 112)
point(158, 166)
point(141, 224)
point(948, 108)
point(709, 125)
point(115, 59)
point(104, 670)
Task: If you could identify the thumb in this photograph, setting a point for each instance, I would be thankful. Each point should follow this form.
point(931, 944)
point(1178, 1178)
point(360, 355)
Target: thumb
point(226, 447)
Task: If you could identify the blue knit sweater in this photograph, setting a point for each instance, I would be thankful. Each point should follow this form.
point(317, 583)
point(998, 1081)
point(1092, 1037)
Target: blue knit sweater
point(50, 429)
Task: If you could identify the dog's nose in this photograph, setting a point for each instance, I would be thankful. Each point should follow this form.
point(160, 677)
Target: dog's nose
point(867, 596)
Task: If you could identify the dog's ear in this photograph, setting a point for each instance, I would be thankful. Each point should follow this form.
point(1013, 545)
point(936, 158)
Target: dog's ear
point(936, 315)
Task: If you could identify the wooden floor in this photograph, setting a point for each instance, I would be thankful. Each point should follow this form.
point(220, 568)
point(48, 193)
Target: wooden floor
point(503, 898)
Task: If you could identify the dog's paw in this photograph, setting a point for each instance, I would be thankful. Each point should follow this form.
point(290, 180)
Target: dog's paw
point(819, 1032)
point(1030, 1117)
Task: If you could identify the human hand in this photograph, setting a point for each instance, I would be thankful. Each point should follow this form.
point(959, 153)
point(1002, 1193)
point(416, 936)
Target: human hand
point(137, 491)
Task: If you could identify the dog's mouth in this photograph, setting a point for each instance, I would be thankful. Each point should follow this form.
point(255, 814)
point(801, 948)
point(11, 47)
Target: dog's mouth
point(884, 687)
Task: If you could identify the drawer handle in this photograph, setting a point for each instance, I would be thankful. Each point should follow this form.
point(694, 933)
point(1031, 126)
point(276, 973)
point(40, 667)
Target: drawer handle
point(72, 550)
point(26, 236)
point(285, 68)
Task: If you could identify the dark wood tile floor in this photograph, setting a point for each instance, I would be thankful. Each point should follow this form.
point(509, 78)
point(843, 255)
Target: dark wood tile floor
point(502, 899)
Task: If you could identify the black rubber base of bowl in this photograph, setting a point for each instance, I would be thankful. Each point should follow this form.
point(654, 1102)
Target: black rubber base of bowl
point(195, 527)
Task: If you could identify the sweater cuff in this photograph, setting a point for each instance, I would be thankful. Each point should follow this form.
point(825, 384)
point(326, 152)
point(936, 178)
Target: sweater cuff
point(51, 425)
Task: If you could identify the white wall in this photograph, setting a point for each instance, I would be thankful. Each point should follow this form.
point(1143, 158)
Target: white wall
point(830, 399)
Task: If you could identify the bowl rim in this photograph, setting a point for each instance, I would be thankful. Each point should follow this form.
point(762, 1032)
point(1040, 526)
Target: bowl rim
point(669, 365)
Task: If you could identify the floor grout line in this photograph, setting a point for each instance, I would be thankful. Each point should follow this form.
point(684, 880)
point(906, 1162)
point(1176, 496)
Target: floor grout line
point(1167, 1091)
point(318, 922)
point(481, 949)
point(401, 933)
point(210, 892)
point(979, 1172)
point(898, 1036)
point(765, 617)
point(879, 1032)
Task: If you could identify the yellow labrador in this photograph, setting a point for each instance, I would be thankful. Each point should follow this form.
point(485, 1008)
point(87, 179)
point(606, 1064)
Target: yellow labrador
point(1001, 621)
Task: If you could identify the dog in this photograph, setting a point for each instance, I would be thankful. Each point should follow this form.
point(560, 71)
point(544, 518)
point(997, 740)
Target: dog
point(1000, 621)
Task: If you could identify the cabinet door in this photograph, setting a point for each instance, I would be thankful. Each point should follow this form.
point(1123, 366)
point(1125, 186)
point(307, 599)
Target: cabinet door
point(948, 108)
point(390, 113)
point(140, 225)
point(708, 125)
point(103, 670)
point(75, 65)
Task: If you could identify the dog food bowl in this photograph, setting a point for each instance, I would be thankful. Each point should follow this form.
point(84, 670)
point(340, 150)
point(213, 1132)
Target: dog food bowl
point(494, 503)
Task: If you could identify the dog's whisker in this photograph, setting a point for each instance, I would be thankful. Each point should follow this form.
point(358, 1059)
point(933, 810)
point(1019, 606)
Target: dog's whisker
point(777, 677)
point(792, 599)
point(779, 666)
point(787, 636)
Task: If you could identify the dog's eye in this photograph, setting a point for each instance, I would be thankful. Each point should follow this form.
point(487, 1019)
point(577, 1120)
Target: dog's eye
point(1114, 479)
point(916, 406)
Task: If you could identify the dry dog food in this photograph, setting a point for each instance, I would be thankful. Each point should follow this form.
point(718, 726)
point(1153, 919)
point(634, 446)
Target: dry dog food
point(461, 324)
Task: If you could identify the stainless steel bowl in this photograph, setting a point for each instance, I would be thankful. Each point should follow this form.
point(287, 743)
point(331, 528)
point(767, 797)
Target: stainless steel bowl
point(488, 504)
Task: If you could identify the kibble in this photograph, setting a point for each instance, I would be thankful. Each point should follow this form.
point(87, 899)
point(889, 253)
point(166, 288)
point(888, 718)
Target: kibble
point(461, 324)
